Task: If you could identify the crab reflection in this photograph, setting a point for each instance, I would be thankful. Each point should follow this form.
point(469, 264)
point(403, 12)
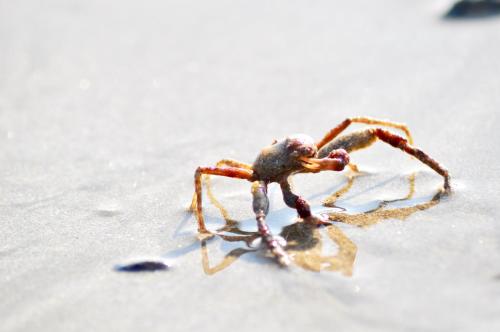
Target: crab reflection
point(305, 242)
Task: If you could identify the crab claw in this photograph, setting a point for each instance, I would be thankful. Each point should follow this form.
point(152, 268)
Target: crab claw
point(335, 161)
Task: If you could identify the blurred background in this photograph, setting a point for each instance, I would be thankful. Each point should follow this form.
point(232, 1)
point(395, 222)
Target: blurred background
point(108, 107)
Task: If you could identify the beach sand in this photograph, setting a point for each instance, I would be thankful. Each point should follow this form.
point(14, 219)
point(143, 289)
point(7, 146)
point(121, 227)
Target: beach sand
point(107, 108)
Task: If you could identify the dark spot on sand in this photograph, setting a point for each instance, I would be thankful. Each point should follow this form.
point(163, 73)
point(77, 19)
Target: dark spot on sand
point(465, 9)
point(146, 266)
point(107, 213)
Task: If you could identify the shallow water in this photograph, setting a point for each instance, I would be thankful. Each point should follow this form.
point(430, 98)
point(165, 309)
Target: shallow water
point(305, 243)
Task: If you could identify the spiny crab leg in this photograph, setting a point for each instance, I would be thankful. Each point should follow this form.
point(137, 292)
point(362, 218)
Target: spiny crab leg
point(335, 161)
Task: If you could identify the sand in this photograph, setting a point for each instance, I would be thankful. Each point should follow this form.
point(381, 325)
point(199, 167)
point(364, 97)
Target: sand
point(107, 108)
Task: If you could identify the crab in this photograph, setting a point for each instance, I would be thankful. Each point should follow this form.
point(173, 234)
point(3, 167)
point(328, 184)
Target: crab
point(299, 153)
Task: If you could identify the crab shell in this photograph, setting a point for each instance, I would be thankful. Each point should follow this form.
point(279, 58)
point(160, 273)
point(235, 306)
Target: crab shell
point(282, 159)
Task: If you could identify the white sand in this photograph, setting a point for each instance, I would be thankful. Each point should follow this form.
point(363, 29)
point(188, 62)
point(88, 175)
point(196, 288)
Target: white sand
point(107, 108)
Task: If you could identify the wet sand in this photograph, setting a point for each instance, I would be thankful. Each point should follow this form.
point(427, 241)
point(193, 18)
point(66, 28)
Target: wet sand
point(106, 110)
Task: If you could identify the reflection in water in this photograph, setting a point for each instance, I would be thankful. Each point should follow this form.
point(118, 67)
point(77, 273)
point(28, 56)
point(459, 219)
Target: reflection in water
point(305, 243)
point(305, 246)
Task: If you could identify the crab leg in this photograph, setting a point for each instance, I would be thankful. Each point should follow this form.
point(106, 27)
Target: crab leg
point(294, 201)
point(233, 163)
point(261, 207)
point(300, 204)
point(364, 138)
point(334, 132)
point(402, 144)
point(220, 163)
point(231, 172)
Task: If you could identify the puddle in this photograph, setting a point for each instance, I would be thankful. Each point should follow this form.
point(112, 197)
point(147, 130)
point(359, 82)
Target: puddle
point(325, 248)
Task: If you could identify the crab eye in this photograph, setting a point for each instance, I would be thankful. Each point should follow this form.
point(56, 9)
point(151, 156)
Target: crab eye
point(293, 145)
point(297, 147)
point(307, 151)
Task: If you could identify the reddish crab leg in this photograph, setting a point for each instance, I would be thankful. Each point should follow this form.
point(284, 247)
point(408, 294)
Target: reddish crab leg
point(231, 172)
point(400, 143)
point(334, 132)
